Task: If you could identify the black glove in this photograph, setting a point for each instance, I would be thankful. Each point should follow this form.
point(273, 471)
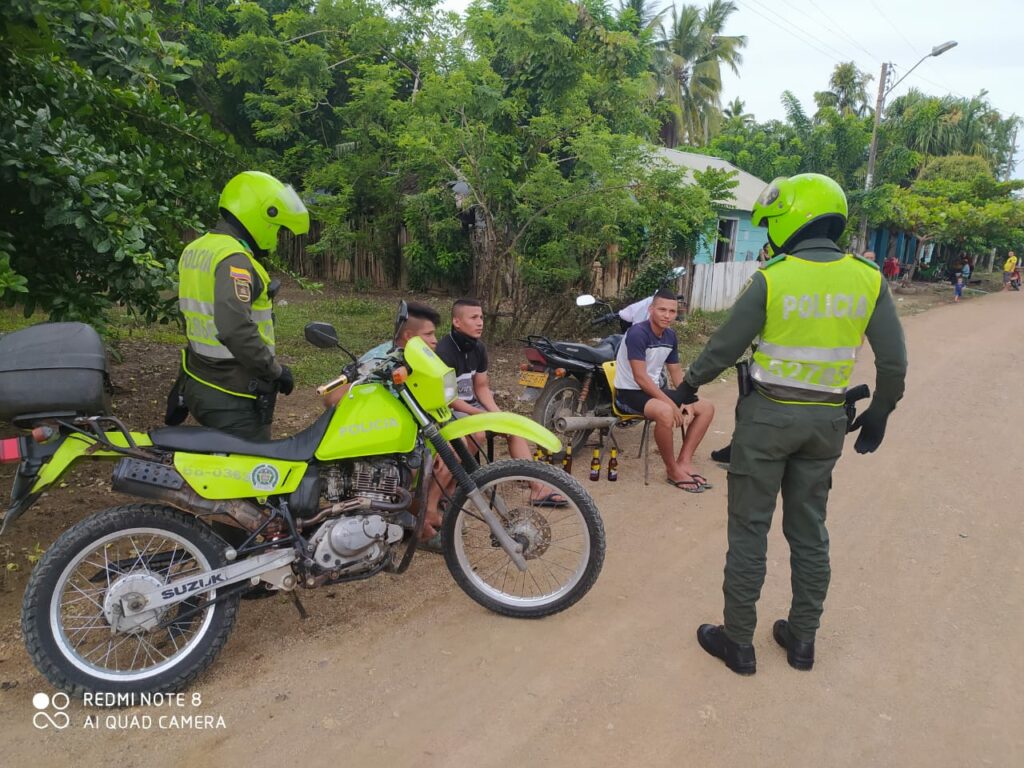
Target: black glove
point(688, 393)
point(285, 382)
point(871, 424)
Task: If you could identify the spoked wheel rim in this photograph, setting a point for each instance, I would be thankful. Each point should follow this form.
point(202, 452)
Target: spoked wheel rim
point(84, 608)
point(565, 402)
point(556, 541)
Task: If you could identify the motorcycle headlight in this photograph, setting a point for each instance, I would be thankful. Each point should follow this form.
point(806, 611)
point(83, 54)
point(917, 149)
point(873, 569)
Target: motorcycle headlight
point(451, 387)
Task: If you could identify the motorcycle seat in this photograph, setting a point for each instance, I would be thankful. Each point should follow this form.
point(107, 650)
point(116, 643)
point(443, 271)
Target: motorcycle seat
point(299, 447)
point(597, 355)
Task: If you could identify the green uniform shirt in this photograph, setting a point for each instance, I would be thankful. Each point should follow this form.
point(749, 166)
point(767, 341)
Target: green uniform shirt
point(746, 321)
point(236, 328)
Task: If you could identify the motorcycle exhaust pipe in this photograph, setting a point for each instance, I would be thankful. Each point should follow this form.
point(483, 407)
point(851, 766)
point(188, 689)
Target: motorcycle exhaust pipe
point(577, 423)
point(159, 482)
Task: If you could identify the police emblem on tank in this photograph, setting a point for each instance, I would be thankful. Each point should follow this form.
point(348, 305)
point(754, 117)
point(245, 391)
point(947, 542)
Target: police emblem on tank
point(264, 477)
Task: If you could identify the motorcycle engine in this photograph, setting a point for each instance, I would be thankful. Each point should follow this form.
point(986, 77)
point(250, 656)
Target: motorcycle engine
point(353, 544)
point(358, 542)
point(375, 480)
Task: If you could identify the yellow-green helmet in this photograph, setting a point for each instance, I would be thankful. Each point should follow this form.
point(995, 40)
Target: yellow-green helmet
point(788, 206)
point(263, 205)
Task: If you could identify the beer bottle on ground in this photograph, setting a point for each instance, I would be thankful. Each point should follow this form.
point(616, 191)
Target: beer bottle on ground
point(567, 458)
point(595, 465)
point(613, 466)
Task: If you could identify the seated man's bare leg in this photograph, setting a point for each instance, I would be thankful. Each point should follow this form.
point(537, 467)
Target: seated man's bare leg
point(518, 448)
point(703, 413)
point(439, 485)
point(662, 414)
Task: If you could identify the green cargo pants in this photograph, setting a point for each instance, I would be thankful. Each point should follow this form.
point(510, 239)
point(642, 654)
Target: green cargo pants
point(791, 448)
point(219, 410)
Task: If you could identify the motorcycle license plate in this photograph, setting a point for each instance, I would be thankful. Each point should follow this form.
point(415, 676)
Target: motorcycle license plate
point(533, 379)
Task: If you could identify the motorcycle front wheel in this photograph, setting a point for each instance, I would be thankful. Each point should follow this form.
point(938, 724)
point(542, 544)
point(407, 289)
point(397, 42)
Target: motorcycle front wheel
point(563, 545)
point(72, 618)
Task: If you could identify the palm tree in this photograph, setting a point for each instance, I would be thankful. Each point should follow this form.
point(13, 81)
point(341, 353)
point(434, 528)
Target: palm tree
point(848, 91)
point(689, 67)
point(736, 110)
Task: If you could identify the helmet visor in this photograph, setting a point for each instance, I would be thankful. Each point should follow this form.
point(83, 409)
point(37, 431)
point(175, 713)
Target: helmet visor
point(769, 195)
point(291, 201)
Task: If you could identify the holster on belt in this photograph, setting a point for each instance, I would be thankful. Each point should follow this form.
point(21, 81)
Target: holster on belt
point(176, 411)
point(743, 381)
point(266, 399)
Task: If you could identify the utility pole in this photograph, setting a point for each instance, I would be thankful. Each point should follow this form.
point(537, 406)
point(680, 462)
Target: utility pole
point(873, 152)
point(1013, 153)
point(938, 50)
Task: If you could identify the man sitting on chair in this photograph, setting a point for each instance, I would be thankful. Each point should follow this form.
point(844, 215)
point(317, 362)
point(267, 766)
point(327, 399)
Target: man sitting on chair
point(647, 349)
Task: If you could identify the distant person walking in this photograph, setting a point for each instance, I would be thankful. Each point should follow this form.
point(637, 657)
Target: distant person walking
point(1008, 269)
point(891, 268)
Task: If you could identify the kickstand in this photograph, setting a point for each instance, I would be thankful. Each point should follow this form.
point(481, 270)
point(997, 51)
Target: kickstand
point(298, 606)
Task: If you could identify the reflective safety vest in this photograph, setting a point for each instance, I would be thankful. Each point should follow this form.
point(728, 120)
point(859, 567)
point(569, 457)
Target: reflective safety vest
point(815, 317)
point(196, 294)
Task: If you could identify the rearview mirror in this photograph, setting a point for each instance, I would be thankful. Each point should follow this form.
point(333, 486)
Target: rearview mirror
point(321, 335)
point(678, 272)
point(586, 300)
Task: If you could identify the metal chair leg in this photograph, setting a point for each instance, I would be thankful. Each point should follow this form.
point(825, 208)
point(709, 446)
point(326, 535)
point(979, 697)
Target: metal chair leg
point(645, 446)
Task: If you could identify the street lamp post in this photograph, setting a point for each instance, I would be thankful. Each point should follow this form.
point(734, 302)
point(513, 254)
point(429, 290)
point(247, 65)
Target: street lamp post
point(938, 50)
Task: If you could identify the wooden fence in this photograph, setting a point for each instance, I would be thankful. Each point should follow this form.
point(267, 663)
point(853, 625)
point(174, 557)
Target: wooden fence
point(715, 286)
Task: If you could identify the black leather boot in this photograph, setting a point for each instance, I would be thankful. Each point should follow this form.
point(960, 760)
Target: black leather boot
point(799, 653)
point(738, 657)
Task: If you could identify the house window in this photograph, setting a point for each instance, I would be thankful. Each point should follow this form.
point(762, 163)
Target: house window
point(725, 248)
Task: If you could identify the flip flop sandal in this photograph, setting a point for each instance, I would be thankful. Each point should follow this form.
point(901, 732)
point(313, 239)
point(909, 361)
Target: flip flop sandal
point(703, 481)
point(690, 486)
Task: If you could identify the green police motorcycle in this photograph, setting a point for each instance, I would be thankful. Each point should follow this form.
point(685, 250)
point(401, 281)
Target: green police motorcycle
point(140, 598)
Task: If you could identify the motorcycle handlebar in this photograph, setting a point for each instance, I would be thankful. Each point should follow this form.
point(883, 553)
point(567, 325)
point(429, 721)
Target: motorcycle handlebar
point(610, 317)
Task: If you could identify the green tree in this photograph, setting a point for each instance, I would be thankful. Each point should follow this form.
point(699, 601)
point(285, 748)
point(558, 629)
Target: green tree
point(692, 53)
point(847, 91)
point(104, 168)
point(541, 134)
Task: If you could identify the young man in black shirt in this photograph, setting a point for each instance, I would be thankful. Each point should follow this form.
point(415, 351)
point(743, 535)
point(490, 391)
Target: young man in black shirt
point(462, 350)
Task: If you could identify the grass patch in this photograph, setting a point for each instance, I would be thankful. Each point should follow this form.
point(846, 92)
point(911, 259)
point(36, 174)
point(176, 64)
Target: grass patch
point(360, 323)
point(695, 332)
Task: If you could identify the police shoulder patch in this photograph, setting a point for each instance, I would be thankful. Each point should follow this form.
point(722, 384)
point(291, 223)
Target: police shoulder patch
point(862, 260)
point(241, 279)
point(771, 262)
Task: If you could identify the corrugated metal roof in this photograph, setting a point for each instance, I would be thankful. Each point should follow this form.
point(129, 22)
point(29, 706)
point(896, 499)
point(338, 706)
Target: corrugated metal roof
point(745, 192)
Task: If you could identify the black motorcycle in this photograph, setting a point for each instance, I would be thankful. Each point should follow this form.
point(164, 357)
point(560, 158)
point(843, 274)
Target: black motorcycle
point(564, 378)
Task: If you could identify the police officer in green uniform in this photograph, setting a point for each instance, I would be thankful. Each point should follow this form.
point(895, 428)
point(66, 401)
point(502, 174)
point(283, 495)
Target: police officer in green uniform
point(811, 306)
point(230, 373)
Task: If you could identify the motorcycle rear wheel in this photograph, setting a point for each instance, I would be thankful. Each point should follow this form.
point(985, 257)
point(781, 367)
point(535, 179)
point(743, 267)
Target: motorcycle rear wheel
point(564, 546)
point(75, 590)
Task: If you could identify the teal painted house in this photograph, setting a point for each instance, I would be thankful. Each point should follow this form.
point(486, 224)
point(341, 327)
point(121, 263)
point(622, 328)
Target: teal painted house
point(720, 269)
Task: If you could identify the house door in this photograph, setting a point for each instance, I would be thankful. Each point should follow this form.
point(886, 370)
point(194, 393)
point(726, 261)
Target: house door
point(725, 248)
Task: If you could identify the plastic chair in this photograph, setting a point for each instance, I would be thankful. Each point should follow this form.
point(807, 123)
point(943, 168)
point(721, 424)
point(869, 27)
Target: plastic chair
point(626, 418)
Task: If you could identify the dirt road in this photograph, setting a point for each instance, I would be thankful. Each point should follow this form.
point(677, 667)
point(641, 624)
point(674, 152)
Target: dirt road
point(919, 656)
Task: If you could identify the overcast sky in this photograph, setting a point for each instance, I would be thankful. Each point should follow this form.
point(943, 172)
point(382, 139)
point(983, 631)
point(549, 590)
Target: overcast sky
point(794, 44)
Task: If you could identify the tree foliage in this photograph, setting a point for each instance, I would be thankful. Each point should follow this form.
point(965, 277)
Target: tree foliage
point(103, 167)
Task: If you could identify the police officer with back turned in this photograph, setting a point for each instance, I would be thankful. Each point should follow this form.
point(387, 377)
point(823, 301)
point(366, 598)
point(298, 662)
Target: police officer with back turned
point(811, 306)
point(230, 376)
